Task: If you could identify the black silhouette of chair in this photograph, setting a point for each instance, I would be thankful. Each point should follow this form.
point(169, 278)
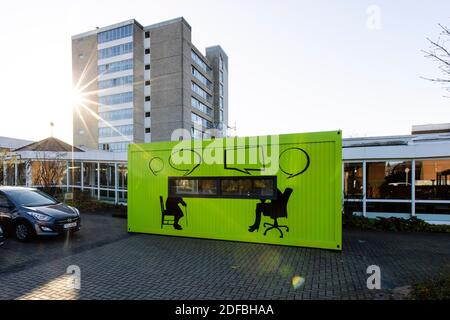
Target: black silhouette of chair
point(278, 209)
point(164, 214)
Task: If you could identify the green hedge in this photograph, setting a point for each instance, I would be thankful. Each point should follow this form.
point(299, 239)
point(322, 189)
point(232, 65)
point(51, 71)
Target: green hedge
point(86, 204)
point(412, 224)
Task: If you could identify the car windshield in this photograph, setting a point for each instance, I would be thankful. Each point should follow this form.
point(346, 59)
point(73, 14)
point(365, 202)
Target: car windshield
point(31, 198)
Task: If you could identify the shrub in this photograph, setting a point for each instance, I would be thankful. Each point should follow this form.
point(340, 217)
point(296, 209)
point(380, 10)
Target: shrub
point(432, 289)
point(84, 202)
point(412, 224)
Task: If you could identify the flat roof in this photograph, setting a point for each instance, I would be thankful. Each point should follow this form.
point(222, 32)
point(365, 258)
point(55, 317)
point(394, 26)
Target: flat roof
point(127, 22)
point(110, 27)
point(13, 143)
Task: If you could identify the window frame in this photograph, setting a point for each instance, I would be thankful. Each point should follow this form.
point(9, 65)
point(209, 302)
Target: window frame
point(219, 194)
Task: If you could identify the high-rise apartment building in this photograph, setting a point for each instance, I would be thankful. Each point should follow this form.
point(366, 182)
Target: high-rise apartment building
point(142, 83)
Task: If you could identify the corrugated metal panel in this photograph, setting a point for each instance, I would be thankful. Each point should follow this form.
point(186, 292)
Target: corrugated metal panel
point(313, 209)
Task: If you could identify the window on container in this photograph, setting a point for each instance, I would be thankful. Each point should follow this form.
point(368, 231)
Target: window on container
point(389, 180)
point(147, 114)
point(192, 187)
point(147, 51)
point(147, 35)
point(148, 130)
point(245, 187)
point(432, 179)
point(353, 180)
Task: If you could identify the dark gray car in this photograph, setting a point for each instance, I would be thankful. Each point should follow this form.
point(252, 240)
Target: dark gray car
point(28, 212)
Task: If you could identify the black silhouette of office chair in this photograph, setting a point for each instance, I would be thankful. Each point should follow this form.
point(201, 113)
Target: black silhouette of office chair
point(164, 214)
point(279, 210)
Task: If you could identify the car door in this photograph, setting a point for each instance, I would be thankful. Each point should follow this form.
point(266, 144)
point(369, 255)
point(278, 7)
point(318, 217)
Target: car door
point(6, 210)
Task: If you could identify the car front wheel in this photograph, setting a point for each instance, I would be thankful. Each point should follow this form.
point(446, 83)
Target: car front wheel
point(23, 231)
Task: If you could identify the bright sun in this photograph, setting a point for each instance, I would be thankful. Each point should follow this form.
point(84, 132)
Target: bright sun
point(76, 98)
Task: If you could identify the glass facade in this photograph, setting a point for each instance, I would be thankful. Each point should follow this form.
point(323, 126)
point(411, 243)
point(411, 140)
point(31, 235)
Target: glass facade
point(432, 179)
point(116, 98)
point(389, 189)
point(199, 134)
point(21, 173)
point(90, 178)
point(353, 180)
point(202, 93)
point(117, 115)
point(199, 62)
point(389, 180)
point(107, 176)
point(75, 173)
point(114, 34)
point(71, 175)
point(126, 130)
point(115, 51)
point(201, 106)
point(201, 77)
point(116, 82)
point(115, 66)
point(114, 146)
point(201, 121)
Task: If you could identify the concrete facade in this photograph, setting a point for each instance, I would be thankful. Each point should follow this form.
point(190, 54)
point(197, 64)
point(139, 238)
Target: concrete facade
point(166, 69)
point(85, 125)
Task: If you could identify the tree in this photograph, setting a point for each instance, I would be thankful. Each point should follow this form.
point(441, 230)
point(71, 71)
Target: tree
point(49, 172)
point(439, 52)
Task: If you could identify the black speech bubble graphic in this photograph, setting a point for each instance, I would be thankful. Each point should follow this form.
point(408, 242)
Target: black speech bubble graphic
point(153, 165)
point(187, 171)
point(243, 170)
point(308, 161)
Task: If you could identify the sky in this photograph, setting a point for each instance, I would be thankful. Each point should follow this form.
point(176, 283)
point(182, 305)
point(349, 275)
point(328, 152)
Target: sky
point(294, 66)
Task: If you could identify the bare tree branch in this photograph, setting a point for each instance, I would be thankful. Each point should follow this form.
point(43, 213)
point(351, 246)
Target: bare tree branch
point(439, 53)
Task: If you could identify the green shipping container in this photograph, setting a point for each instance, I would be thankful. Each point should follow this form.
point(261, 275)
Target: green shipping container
point(283, 189)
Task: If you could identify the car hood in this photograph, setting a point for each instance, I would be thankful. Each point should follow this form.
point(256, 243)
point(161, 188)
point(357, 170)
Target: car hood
point(57, 211)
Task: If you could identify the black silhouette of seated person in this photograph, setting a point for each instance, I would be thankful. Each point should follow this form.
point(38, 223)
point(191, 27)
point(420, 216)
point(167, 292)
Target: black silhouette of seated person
point(172, 206)
point(275, 208)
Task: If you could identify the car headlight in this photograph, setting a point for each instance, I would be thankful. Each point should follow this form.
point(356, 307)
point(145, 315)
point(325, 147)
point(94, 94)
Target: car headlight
point(76, 210)
point(39, 216)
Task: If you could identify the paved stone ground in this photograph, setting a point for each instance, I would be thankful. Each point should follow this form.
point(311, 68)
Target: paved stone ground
point(117, 265)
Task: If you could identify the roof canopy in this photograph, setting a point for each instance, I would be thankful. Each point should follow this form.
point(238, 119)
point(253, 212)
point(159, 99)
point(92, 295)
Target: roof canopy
point(49, 144)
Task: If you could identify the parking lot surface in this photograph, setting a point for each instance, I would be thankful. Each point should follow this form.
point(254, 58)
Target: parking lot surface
point(116, 265)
